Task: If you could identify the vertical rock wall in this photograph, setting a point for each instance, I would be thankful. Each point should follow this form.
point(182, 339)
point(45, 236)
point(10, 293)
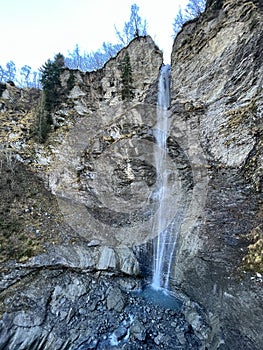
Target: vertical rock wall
point(103, 172)
point(216, 97)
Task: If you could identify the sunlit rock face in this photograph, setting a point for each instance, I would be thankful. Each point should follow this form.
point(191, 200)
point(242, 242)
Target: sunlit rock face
point(104, 174)
point(101, 89)
point(216, 94)
point(101, 176)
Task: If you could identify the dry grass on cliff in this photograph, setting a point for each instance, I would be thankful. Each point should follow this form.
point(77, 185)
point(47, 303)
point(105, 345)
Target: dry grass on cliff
point(29, 214)
point(253, 260)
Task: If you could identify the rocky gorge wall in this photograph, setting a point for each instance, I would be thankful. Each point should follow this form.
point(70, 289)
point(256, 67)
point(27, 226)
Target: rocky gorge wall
point(216, 93)
point(92, 238)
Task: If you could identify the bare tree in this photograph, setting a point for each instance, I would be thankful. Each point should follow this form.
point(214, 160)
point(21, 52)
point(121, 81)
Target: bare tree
point(25, 72)
point(2, 74)
point(193, 9)
point(10, 71)
point(132, 29)
point(178, 21)
point(136, 26)
point(94, 60)
point(74, 61)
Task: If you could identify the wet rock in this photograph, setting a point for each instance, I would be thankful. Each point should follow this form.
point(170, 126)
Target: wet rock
point(119, 334)
point(129, 284)
point(138, 330)
point(159, 339)
point(180, 336)
point(94, 243)
point(86, 344)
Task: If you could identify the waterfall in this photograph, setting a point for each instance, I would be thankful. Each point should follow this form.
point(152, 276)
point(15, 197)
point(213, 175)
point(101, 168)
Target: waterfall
point(164, 245)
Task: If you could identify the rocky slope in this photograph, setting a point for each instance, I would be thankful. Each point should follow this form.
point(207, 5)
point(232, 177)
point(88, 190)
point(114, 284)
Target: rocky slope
point(78, 213)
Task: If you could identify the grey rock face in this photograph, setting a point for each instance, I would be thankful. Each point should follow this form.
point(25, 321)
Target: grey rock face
point(114, 299)
point(107, 259)
point(88, 258)
point(114, 196)
point(217, 93)
point(99, 173)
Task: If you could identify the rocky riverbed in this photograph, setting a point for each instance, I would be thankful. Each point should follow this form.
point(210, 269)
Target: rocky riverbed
point(63, 308)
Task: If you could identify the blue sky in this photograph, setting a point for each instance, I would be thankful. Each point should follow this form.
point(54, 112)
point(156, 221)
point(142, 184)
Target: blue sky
point(34, 30)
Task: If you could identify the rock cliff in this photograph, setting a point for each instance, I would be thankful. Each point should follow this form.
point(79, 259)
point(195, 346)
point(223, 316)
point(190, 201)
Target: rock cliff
point(80, 210)
point(216, 94)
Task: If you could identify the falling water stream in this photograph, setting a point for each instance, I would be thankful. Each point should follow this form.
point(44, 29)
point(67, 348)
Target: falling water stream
point(165, 227)
point(165, 243)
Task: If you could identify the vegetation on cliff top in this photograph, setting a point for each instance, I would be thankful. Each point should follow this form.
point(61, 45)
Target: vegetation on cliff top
point(193, 9)
point(25, 77)
point(90, 61)
point(50, 97)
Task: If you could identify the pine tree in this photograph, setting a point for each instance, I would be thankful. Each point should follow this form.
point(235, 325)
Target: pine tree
point(43, 123)
point(51, 96)
point(126, 79)
point(50, 81)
